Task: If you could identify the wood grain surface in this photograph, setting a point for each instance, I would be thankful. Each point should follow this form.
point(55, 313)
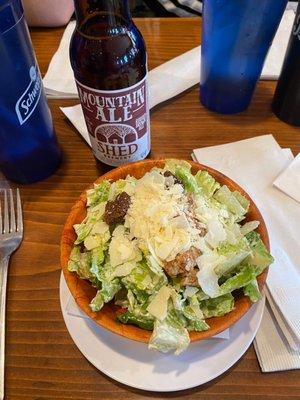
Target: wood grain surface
point(42, 362)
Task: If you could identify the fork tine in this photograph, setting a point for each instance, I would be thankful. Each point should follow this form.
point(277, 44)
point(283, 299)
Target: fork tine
point(12, 212)
point(0, 217)
point(6, 219)
point(19, 213)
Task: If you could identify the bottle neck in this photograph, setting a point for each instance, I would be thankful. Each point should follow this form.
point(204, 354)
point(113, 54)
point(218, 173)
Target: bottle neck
point(116, 10)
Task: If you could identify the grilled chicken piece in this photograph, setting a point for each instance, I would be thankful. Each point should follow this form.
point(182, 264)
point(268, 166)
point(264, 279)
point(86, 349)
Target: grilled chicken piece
point(182, 263)
point(190, 278)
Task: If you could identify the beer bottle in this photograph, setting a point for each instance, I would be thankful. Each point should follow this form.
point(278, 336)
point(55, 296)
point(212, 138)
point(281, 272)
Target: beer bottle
point(109, 60)
point(286, 101)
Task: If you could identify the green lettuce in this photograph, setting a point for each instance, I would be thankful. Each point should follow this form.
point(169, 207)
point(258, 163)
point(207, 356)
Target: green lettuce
point(207, 183)
point(90, 224)
point(170, 334)
point(194, 315)
point(105, 294)
point(218, 306)
point(142, 279)
point(172, 164)
point(188, 179)
point(80, 263)
point(236, 203)
point(233, 255)
point(260, 257)
point(252, 291)
point(98, 194)
point(137, 313)
point(239, 280)
point(139, 320)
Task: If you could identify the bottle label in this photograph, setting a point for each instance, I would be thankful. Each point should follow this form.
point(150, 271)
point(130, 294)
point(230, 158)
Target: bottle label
point(118, 122)
point(28, 101)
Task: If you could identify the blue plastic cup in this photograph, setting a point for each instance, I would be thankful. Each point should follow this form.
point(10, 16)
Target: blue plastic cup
point(29, 150)
point(236, 36)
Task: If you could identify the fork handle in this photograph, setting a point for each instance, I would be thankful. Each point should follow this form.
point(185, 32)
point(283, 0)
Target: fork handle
point(3, 282)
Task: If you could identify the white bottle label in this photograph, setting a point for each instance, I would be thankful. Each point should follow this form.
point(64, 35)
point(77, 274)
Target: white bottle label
point(28, 101)
point(118, 122)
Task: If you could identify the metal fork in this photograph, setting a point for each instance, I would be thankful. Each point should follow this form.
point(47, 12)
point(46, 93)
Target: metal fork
point(11, 233)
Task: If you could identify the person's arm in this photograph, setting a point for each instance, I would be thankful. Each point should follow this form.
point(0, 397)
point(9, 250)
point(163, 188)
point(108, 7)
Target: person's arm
point(49, 13)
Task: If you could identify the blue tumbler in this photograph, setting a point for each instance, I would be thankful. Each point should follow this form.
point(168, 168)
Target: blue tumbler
point(236, 36)
point(29, 150)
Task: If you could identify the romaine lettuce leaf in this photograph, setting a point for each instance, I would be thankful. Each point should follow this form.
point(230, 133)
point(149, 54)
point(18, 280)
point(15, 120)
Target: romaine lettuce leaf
point(137, 313)
point(239, 280)
point(143, 278)
point(207, 183)
point(252, 291)
point(171, 165)
point(218, 306)
point(194, 315)
point(170, 334)
point(80, 263)
point(139, 320)
point(97, 260)
point(105, 294)
point(92, 225)
point(260, 256)
point(98, 194)
point(235, 202)
point(188, 180)
point(232, 255)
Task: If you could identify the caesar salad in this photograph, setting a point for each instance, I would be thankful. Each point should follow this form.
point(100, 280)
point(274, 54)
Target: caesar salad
point(170, 249)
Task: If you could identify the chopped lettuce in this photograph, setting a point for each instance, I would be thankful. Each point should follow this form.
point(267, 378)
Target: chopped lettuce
point(188, 180)
point(143, 278)
point(105, 294)
point(98, 194)
point(252, 291)
point(198, 325)
point(239, 280)
point(231, 255)
point(92, 225)
point(80, 263)
point(207, 183)
point(194, 315)
point(260, 257)
point(236, 203)
point(137, 313)
point(170, 334)
point(139, 320)
point(97, 259)
point(122, 185)
point(172, 164)
point(218, 306)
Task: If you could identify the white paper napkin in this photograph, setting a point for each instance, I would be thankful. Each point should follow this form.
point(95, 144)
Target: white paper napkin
point(289, 180)
point(174, 77)
point(271, 348)
point(254, 164)
point(74, 310)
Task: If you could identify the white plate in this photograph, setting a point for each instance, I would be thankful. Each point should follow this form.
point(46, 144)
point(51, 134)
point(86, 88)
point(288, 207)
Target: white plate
point(132, 364)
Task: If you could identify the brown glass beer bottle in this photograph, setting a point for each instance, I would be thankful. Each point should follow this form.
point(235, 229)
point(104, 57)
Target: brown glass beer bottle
point(109, 60)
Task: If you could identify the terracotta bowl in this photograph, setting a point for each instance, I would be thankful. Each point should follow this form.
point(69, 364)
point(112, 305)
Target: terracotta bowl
point(83, 292)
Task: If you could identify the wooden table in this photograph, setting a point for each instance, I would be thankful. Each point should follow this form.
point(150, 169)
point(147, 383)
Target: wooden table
point(42, 361)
